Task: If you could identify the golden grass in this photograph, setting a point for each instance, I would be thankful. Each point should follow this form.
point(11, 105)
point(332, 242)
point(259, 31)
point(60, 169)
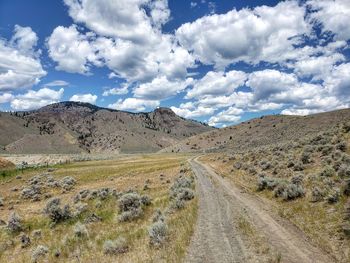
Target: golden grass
point(121, 174)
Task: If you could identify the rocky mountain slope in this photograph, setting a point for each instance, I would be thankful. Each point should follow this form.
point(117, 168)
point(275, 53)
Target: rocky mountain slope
point(267, 130)
point(72, 127)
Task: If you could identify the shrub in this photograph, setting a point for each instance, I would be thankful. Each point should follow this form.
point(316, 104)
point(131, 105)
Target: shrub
point(341, 146)
point(327, 150)
point(345, 159)
point(25, 241)
point(67, 183)
point(80, 230)
point(157, 233)
point(146, 200)
point(55, 212)
point(306, 157)
point(177, 204)
point(289, 191)
point(183, 182)
point(293, 191)
point(298, 166)
point(130, 207)
point(344, 170)
point(114, 247)
point(181, 191)
point(32, 192)
point(337, 155)
point(290, 163)
point(297, 179)
point(39, 252)
point(265, 165)
point(327, 171)
point(184, 194)
point(333, 196)
point(129, 201)
point(346, 187)
point(267, 183)
point(317, 194)
point(279, 190)
point(346, 127)
point(15, 223)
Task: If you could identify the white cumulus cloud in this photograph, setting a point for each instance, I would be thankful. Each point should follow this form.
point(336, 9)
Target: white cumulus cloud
point(36, 99)
point(20, 66)
point(88, 98)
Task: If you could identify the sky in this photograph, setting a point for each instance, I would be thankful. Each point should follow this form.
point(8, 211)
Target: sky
point(221, 62)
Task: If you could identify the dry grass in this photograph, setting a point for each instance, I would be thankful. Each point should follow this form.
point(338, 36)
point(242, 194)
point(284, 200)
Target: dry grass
point(121, 174)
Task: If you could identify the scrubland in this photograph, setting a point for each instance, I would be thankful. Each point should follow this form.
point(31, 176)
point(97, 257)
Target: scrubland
point(132, 209)
point(306, 181)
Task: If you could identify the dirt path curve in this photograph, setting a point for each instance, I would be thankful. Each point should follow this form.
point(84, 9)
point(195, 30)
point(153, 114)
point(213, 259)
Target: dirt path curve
point(216, 238)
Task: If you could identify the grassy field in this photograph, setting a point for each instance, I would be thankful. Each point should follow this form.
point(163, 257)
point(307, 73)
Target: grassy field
point(64, 245)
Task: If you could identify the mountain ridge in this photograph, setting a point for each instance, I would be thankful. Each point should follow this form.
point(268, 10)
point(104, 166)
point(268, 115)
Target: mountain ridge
point(262, 131)
point(74, 127)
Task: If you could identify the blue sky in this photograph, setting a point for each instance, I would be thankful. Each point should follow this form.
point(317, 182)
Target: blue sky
point(216, 61)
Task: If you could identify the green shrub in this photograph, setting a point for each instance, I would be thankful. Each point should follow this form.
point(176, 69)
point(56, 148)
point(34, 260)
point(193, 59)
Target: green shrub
point(327, 171)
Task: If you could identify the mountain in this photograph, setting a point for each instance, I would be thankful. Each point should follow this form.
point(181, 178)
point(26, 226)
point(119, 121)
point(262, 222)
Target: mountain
point(74, 127)
point(262, 131)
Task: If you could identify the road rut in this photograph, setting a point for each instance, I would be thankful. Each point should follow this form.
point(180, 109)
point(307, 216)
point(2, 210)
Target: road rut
point(216, 238)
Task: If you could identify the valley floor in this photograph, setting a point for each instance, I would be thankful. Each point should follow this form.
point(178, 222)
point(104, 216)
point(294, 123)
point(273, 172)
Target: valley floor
point(226, 221)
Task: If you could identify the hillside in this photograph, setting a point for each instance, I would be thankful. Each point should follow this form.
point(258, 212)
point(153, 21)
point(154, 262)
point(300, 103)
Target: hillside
point(72, 127)
point(262, 131)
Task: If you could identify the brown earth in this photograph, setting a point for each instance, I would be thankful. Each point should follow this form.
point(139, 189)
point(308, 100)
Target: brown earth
point(72, 127)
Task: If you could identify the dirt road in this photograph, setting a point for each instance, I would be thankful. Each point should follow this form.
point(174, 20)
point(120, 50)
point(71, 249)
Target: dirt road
point(216, 237)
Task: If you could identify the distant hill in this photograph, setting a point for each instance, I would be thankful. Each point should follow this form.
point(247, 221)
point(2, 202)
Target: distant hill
point(74, 127)
point(262, 131)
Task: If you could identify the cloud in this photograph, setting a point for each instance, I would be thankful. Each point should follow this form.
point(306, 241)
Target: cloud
point(134, 104)
point(338, 81)
point(6, 97)
point(20, 66)
point(57, 83)
point(160, 88)
point(317, 67)
point(333, 16)
point(268, 82)
point(123, 89)
point(217, 83)
point(76, 52)
point(88, 98)
point(262, 34)
point(123, 19)
point(24, 39)
point(231, 115)
point(192, 112)
point(316, 105)
point(71, 50)
point(36, 99)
